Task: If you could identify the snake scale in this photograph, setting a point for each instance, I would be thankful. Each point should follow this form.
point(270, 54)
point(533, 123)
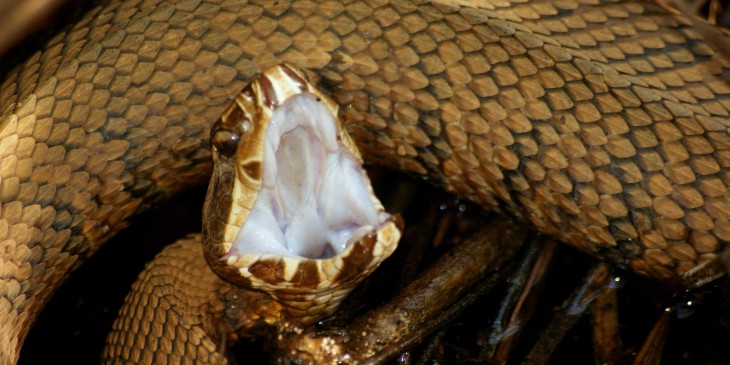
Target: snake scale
point(601, 123)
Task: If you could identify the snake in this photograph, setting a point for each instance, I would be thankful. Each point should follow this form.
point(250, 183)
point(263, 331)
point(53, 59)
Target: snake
point(603, 124)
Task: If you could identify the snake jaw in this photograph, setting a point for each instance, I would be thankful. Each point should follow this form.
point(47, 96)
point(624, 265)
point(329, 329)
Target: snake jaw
point(290, 210)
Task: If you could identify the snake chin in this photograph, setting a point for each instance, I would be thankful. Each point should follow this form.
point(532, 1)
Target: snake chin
point(315, 199)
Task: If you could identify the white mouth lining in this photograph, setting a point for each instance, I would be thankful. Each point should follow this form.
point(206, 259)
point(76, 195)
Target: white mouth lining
point(315, 200)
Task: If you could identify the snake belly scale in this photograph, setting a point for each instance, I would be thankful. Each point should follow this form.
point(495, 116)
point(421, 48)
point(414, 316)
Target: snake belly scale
point(603, 124)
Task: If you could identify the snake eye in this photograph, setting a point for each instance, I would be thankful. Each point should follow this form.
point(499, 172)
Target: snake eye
point(225, 142)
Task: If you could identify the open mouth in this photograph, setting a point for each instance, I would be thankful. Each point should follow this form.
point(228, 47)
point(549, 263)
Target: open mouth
point(290, 210)
point(315, 198)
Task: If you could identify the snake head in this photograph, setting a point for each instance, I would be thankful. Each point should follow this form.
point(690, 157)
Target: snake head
point(290, 210)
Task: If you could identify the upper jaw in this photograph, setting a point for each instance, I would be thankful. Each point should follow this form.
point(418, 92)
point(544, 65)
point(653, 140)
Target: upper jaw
point(314, 198)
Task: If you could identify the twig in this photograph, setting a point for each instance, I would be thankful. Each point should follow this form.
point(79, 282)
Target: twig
point(419, 309)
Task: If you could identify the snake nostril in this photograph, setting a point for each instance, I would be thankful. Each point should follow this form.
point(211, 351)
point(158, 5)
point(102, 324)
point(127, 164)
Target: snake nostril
point(225, 142)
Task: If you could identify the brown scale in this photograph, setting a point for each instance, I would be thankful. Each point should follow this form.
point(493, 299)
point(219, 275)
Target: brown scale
point(527, 108)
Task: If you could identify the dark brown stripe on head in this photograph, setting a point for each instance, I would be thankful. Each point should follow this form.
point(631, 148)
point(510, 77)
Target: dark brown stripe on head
point(359, 258)
point(213, 229)
point(234, 117)
point(217, 209)
point(253, 169)
point(269, 271)
point(268, 91)
point(247, 92)
point(301, 83)
point(220, 199)
point(307, 275)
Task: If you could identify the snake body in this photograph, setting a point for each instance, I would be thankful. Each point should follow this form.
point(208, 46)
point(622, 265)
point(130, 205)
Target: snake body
point(603, 124)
